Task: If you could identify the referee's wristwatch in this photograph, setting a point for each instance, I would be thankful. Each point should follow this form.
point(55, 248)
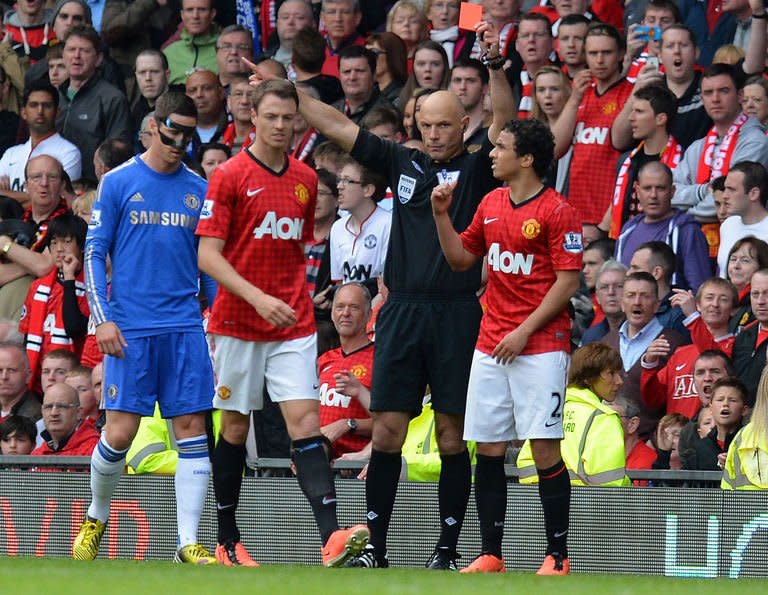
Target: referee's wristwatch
point(352, 425)
point(7, 247)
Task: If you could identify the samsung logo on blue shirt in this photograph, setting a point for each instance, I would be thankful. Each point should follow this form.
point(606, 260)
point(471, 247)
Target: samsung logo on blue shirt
point(164, 218)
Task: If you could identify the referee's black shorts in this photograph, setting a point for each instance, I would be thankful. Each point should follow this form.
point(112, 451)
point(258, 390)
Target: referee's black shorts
point(424, 341)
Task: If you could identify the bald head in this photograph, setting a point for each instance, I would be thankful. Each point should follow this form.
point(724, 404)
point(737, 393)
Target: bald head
point(442, 122)
point(656, 167)
point(61, 392)
point(445, 101)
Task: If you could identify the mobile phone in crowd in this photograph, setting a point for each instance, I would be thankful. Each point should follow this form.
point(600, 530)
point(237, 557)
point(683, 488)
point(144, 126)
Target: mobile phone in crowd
point(647, 33)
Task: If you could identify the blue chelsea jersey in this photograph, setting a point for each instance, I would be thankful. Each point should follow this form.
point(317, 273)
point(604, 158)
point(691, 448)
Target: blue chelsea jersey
point(145, 222)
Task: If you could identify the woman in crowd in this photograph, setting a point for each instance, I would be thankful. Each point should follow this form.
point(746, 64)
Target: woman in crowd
point(406, 20)
point(444, 18)
point(551, 90)
point(748, 255)
point(593, 443)
point(391, 64)
point(411, 113)
point(755, 102)
point(212, 155)
point(430, 70)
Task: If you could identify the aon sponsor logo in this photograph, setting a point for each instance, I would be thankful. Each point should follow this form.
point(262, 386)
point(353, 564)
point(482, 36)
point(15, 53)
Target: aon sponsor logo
point(509, 262)
point(283, 228)
point(330, 398)
point(359, 272)
point(590, 136)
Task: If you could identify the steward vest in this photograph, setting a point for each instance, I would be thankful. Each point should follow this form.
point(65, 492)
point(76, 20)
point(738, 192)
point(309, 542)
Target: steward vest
point(593, 443)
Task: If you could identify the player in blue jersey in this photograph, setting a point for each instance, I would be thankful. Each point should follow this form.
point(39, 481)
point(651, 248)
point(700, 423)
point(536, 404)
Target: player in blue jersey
point(150, 329)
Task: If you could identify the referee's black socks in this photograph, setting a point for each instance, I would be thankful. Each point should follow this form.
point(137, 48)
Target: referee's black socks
point(380, 491)
point(491, 501)
point(453, 494)
point(555, 494)
point(227, 461)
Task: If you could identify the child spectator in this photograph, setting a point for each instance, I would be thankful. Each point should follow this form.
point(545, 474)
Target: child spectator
point(359, 241)
point(55, 315)
point(17, 435)
point(706, 422)
point(747, 459)
point(57, 71)
point(668, 440)
point(729, 398)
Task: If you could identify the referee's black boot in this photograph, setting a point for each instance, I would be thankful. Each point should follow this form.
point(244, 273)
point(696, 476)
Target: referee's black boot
point(443, 558)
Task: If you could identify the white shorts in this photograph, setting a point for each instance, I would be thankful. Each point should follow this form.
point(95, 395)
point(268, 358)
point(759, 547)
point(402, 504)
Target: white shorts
point(243, 367)
point(517, 401)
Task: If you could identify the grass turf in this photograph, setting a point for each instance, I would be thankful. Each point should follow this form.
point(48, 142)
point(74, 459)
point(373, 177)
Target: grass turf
point(105, 577)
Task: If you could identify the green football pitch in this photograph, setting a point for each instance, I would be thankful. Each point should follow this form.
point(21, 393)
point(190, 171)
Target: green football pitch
point(104, 577)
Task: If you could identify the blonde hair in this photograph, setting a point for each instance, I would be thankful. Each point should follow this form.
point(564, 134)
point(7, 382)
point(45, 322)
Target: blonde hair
point(410, 8)
point(728, 54)
point(84, 202)
point(759, 418)
point(565, 84)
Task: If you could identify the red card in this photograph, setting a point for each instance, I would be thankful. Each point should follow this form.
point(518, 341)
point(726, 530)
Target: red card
point(470, 16)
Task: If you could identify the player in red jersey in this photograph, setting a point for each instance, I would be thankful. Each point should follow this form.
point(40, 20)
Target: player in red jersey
point(258, 213)
point(346, 373)
point(586, 123)
point(532, 240)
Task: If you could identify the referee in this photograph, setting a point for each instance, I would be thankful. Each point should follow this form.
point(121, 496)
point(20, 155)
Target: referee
point(427, 328)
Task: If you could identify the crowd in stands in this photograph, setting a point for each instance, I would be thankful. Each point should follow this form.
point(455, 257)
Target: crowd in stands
point(659, 114)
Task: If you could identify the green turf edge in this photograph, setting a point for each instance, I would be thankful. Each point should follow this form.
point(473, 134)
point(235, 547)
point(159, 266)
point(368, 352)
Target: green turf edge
point(56, 576)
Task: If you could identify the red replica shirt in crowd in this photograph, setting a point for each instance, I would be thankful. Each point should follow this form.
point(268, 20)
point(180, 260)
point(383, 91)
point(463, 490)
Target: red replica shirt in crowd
point(671, 386)
point(42, 321)
point(333, 405)
point(264, 217)
point(704, 340)
point(525, 243)
point(593, 165)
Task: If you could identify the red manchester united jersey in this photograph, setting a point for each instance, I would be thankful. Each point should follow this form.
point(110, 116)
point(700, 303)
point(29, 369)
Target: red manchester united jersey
point(593, 165)
point(525, 245)
point(264, 217)
point(334, 405)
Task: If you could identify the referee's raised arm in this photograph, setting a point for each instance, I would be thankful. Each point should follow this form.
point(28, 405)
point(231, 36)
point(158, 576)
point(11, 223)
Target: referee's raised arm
point(327, 120)
point(503, 104)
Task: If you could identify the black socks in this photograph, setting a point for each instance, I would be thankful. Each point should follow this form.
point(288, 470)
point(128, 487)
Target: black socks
point(453, 492)
point(227, 461)
point(380, 491)
point(316, 481)
point(555, 494)
point(491, 501)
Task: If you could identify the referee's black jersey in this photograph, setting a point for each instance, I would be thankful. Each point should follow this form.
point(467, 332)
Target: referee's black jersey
point(415, 262)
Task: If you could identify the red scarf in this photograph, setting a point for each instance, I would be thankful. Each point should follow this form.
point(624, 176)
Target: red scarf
point(306, 145)
point(670, 157)
point(42, 321)
point(229, 136)
point(42, 229)
point(713, 164)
